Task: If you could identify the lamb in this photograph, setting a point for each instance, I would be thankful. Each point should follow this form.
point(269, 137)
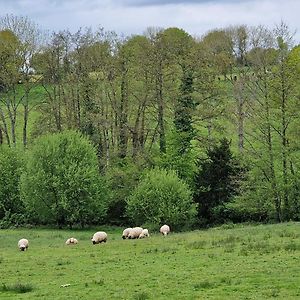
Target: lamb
point(71, 241)
point(126, 233)
point(165, 229)
point(99, 237)
point(23, 244)
point(135, 232)
point(145, 233)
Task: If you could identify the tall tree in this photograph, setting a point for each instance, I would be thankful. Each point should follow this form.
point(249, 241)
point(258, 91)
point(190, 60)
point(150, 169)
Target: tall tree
point(215, 182)
point(20, 40)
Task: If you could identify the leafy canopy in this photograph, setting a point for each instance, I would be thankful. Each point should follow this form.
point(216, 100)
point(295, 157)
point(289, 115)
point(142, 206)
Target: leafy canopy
point(161, 197)
point(62, 183)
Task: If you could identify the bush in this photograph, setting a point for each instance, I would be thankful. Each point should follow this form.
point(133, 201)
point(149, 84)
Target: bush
point(11, 220)
point(11, 165)
point(161, 197)
point(122, 179)
point(61, 183)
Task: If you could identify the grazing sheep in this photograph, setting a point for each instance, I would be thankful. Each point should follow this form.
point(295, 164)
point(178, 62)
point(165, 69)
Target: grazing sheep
point(135, 232)
point(145, 233)
point(99, 237)
point(23, 244)
point(125, 233)
point(71, 241)
point(165, 229)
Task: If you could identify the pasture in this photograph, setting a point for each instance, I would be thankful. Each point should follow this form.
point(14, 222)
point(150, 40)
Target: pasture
point(228, 262)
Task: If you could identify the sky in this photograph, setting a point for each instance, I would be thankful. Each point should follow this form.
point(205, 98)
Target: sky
point(128, 17)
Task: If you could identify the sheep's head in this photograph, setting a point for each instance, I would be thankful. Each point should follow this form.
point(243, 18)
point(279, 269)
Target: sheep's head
point(22, 248)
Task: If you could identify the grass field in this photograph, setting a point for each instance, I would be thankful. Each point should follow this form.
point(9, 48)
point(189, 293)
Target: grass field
point(229, 262)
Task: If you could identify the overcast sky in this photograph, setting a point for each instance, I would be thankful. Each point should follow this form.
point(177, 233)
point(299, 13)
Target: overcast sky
point(134, 16)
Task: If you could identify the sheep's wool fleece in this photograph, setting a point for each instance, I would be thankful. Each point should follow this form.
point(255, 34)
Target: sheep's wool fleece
point(165, 229)
point(71, 241)
point(23, 244)
point(126, 232)
point(145, 233)
point(135, 232)
point(99, 237)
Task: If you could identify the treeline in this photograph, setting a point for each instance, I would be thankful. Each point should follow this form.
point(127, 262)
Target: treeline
point(215, 116)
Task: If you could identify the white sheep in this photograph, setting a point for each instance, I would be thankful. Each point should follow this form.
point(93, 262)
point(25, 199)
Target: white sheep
point(71, 241)
point(99, 237)
point(145, 233)
point(23, 244)
point(165, 229)
point(135, 232)
point(126, 233)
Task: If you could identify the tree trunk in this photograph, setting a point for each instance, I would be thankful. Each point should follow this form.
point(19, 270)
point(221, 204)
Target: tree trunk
point(1, 136)
point(277, 199)
point(5, 129)
point(160, 105)
point(26, 115)
point(123, 116)
point(284, 146)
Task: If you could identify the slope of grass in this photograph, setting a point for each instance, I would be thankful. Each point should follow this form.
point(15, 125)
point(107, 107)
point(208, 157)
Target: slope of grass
point(242, 262)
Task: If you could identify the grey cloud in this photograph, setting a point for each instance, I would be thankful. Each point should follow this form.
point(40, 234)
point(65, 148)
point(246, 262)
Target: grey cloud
point(134, 16)
point(174, 2)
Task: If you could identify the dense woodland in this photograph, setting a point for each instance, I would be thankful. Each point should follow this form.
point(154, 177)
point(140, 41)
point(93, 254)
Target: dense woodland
point(147, 129)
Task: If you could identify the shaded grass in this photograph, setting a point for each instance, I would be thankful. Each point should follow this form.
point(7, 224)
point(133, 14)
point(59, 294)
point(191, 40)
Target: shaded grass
point(18, 288)
point(141, 296)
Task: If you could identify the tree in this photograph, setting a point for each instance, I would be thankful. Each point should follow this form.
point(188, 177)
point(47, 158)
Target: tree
point(215, 182)
point(20, 39)
point(274, 119)
point(161, 197)
point(218, 44)
point(61, 182)
point(183, 109)
point(10, 172)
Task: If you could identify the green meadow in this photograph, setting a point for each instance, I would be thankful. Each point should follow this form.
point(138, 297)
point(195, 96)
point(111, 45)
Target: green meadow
point(227, 262)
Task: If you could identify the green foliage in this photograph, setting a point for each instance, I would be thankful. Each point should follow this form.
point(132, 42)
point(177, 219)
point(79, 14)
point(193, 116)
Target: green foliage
point(11, 163)
point(216, 182)
point(122, 179)
point(183, 108)
point(255, 201)
point(11, 220)
point(183, 163)
point(10, 59)
point(61, 182)
point(161, 197)
point(163, 96)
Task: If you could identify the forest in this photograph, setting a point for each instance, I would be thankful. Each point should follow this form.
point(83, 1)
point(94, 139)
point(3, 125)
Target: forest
point(164, 127)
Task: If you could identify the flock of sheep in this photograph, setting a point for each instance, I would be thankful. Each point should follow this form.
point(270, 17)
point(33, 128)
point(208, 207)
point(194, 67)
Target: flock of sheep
point(101, 236)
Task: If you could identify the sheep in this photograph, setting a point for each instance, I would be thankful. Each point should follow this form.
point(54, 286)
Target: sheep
point(145, 233)
point(165, 229)
point(125, 233)
point(71, 241)
point(23, 244)
point(99, 237)
point(135, 232)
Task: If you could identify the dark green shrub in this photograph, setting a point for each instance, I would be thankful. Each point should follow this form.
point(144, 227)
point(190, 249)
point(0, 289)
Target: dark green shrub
point(216, 182)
